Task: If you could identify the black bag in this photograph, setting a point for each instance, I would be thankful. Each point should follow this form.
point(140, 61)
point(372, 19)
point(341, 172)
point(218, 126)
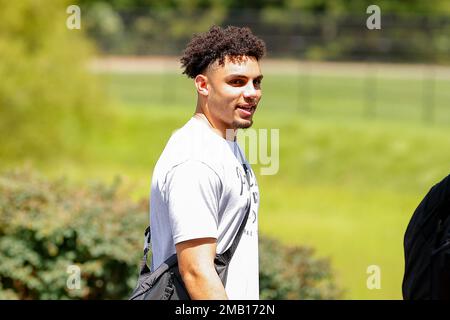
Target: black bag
point(427, 247)
point(165, 283)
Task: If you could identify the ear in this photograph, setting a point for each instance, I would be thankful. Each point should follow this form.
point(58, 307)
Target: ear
point(201, 83)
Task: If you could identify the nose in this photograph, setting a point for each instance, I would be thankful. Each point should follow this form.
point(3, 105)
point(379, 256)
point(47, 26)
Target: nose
point(250, 92)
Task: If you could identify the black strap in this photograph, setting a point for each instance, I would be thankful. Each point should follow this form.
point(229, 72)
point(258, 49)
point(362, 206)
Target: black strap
point(236, 240)
point(228, 254)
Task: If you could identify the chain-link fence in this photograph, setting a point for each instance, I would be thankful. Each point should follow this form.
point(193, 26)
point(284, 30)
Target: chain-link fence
point(417, 39)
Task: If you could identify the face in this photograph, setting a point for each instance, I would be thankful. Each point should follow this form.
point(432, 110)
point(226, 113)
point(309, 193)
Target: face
point(233, 94)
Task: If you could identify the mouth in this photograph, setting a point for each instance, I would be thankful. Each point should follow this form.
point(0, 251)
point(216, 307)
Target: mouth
point(246, 111)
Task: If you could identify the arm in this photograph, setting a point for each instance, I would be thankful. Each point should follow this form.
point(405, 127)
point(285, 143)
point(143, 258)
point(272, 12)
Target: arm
point(196, 265)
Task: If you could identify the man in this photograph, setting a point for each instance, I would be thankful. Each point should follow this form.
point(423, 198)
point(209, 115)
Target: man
point(202, 184)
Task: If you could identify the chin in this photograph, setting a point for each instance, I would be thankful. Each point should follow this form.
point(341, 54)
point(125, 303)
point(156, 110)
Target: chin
point(242, 124)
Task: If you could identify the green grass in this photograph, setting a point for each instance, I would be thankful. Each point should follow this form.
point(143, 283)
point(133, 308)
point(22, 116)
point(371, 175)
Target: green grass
point(347, 183)
point(319, 95)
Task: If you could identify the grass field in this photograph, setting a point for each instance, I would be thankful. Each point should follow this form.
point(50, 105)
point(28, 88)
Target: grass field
point(348, 182)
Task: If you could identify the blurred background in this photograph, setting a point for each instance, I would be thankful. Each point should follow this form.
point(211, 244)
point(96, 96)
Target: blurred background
point(364, 120)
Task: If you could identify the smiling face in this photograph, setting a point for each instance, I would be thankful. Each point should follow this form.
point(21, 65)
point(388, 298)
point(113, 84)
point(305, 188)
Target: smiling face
point(230, 93)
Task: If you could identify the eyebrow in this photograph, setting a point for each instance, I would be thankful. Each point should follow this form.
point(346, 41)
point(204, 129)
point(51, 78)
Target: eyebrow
point(244, 76)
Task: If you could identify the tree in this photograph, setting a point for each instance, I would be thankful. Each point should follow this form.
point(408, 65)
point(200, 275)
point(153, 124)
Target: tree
point(46, 94)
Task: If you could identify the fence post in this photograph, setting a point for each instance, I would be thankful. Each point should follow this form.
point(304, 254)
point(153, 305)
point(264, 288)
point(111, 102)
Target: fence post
point(304, 87)
point(168, 88)
point(370, 91)
point(428, 93)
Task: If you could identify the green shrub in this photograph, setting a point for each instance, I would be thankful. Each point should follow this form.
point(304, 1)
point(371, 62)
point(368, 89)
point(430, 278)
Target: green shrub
point(293, 273)
point(48, 226)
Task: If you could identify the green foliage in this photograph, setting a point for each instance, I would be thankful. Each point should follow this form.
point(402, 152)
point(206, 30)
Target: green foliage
point(48, 226)
point(45, 91)
point(294, 273)
point(327, 6)
point(412, 31)
point(142, 28)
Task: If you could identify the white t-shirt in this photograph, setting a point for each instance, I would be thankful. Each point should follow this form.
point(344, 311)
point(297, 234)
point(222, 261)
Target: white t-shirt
point(199, 190)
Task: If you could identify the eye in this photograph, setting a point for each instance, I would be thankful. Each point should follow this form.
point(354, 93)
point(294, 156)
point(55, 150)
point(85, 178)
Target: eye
point(237, 82)
point(257, 83)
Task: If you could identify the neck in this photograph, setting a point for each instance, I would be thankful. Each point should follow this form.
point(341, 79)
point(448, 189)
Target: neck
point(203, 114)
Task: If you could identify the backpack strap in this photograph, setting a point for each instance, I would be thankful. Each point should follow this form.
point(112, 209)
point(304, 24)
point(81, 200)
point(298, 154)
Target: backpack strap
point(228, 254)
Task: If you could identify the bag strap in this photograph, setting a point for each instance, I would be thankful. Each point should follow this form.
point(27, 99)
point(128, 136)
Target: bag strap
point(228, 254)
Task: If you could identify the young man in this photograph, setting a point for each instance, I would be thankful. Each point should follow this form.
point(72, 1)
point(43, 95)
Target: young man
point(202, 184)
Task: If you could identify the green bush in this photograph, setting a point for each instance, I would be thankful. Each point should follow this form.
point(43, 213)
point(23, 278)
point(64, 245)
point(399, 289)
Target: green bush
point(293, 273)
point(48, 226)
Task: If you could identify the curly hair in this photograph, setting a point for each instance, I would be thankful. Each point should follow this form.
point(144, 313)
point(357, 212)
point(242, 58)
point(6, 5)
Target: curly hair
point(218, 43)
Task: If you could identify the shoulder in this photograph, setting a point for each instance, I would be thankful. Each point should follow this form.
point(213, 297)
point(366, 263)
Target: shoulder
point(194, 141)
point(194, 170)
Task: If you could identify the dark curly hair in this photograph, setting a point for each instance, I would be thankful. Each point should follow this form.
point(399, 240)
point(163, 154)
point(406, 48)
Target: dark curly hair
point(218, 43)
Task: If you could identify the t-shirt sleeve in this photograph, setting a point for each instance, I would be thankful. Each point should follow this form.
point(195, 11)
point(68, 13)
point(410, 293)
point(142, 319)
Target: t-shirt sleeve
point(193, 192)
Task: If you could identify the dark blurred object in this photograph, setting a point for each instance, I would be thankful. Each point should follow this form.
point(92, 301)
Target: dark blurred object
point(427, 247)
